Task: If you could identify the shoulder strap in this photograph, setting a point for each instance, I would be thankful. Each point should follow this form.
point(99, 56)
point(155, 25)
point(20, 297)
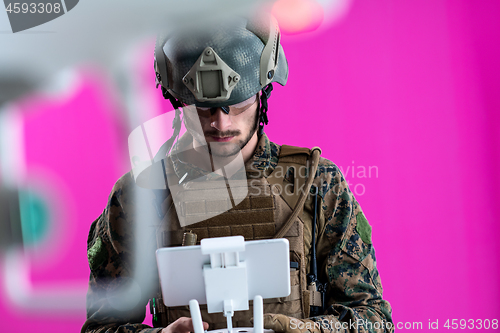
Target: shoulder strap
point(293, 161)
point(298, 160)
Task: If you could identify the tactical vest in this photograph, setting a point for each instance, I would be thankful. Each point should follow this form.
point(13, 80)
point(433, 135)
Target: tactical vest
point(271, 202)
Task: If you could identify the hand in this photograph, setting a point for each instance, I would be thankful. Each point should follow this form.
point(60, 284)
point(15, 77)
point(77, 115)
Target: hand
point(182, 325)
point(285, 324)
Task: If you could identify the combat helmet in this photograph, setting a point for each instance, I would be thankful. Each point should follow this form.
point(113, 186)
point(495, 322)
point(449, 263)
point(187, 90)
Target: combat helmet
point(217, 64)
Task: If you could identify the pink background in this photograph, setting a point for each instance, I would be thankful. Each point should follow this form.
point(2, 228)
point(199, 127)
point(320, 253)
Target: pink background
point(409, 88)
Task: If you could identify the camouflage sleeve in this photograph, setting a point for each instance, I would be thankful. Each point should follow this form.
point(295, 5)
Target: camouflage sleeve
point(354, 300)
point(109, 309)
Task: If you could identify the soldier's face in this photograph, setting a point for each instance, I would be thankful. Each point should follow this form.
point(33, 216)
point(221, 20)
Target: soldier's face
point(230, 131)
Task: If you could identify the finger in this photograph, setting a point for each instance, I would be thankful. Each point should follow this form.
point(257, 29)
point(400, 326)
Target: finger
point(182, 325)
point(276, 322)
point(185, 325)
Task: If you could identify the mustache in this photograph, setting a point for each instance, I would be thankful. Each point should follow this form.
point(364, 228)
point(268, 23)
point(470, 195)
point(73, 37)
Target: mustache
point(222, 134)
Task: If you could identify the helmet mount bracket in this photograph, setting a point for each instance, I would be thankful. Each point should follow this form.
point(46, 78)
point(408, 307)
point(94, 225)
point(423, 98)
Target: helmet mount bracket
point(210, 78)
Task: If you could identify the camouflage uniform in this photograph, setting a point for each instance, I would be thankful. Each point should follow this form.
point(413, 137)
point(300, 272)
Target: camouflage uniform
point(346, 257)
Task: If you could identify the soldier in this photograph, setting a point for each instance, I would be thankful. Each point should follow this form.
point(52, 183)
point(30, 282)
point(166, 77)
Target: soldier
point(221, 78)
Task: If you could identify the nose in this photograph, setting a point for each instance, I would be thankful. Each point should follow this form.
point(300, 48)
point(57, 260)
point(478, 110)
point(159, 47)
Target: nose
point(220, 120)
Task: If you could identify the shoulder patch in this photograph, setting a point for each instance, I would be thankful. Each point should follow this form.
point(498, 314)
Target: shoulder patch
point(363, 228)
point(96, 254)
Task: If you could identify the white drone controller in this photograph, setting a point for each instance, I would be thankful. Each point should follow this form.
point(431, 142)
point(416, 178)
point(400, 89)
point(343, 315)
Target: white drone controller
point(225, 273)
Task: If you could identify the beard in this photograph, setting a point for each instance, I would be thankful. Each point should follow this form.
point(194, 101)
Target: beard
point(221, 149)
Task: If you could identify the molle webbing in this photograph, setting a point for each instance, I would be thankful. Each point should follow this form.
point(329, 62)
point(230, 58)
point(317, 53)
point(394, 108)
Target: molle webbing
point(292, 162)
point(236, 221)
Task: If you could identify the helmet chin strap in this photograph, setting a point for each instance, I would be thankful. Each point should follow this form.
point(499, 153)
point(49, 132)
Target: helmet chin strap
point(161, 195)
point(266, 93)
point(176, 125)
point(174, 101)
